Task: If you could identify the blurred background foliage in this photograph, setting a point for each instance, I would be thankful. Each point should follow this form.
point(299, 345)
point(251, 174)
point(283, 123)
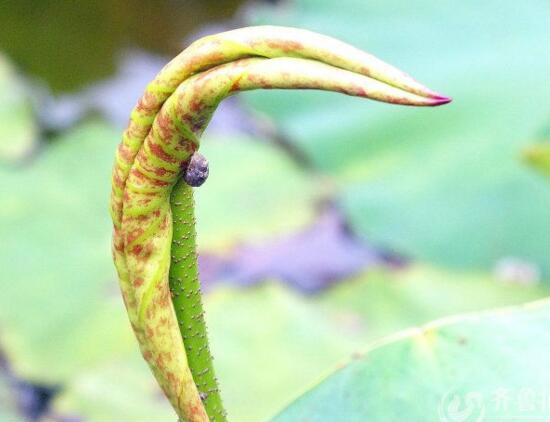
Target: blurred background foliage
point(327, 222)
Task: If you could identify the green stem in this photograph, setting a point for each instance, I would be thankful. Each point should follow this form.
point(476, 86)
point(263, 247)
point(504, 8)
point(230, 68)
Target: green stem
point(187, 300)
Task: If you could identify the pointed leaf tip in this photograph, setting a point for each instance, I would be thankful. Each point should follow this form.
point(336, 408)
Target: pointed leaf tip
point(440, 100)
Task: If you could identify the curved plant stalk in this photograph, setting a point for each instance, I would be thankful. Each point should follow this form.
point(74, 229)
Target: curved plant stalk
point(152, 207)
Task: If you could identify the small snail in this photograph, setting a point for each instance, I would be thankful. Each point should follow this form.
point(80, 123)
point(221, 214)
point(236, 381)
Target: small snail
point(196, 171)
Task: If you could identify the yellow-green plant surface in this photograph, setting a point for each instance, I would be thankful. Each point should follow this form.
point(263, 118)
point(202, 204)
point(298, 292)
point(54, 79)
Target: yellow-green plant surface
point(153, 210)
point(459, 368)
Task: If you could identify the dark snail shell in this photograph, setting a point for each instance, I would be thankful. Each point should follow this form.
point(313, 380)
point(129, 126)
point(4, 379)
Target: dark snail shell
point(196, 172)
